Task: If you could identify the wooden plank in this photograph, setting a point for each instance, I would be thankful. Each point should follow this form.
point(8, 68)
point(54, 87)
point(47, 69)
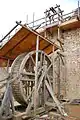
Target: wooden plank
point(25, 45)
point(13, 41)
point(49, 49)
point(70, 24)
point(29, 44)
point(67, 25)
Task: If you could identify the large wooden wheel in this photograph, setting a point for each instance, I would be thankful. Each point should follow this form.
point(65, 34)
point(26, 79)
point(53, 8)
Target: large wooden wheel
point(24, 67)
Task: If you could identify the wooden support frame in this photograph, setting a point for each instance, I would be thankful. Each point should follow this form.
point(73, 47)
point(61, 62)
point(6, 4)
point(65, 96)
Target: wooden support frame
point(36, 76)
point(34, 96)
point(7, 102)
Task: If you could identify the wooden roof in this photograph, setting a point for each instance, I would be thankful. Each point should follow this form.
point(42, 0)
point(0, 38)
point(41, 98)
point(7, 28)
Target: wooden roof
point(24, 41)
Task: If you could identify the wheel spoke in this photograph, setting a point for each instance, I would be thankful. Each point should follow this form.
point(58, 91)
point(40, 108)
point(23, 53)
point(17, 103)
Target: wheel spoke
point(32, 59)
point(28, 73)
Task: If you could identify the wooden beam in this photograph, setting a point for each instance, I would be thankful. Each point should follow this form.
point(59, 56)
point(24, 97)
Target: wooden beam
point(55, 99)
point(36, 77)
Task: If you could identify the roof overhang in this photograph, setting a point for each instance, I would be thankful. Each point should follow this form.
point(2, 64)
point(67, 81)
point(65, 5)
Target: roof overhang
point(25, 41)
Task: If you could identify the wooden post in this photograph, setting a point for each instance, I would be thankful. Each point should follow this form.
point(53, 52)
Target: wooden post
point(58, 80)
point(27, 20)
point(45, 92)
point(8, 65)
point(58, 25)
point(36, 77)
point(58, 32)
point(53, 70)
point(33, 19)
point(45, 35)
point(78, 9)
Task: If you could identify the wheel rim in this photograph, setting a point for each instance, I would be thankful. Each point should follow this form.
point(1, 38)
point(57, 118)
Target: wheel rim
point(27, 70)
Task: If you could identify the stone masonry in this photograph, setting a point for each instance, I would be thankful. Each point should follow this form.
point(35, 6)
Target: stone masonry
point(70, 72)
point(72, 56)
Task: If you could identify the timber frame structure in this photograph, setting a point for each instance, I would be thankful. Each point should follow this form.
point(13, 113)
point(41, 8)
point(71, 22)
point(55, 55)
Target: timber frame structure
point(27, 43)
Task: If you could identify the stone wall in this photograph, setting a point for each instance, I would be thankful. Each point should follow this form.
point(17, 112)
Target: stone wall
point(72, 56)
point(70, 72)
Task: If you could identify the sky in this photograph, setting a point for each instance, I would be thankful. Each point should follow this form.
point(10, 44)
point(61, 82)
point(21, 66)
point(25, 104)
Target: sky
point(16, 10)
